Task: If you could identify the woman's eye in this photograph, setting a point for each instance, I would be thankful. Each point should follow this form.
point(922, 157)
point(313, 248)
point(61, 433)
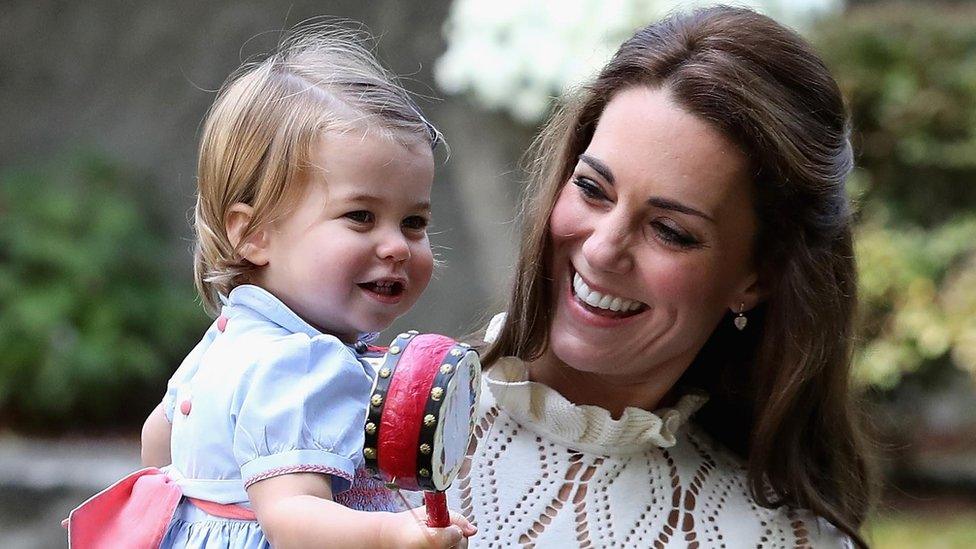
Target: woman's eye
point(674, 236)
point(415, 223)
point(589, 188)
point(360, 216)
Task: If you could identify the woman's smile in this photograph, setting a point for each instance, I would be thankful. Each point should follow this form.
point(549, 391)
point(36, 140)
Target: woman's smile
point(597, 305)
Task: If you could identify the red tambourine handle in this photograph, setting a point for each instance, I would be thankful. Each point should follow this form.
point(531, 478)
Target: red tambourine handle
point(437, 513)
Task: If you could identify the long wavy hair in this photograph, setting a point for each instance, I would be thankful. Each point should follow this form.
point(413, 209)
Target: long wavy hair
point(780, 392)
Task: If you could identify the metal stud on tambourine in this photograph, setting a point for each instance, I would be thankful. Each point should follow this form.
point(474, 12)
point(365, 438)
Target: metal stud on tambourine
point(421, 415)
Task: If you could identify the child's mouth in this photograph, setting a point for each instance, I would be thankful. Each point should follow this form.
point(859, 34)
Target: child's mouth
point(384, 290)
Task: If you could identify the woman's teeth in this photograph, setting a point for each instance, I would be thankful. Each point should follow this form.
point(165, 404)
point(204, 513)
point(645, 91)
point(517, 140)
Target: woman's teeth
point(602, 301)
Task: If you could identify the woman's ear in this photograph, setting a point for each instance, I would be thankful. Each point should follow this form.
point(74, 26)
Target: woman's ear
point(749, 295)
point(255, 248)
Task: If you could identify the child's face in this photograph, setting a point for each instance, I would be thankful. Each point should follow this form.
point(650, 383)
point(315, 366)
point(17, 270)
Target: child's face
point(353, 255)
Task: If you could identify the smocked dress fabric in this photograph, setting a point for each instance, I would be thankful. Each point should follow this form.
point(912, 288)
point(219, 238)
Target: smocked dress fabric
point(264, 394)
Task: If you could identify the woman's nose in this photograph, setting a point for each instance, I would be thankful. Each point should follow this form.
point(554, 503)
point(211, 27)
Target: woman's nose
point(393, 246)
point(608, 246)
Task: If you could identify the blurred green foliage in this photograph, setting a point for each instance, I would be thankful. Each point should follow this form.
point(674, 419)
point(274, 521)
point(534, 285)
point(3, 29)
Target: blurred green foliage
point(935, 529)
point(909, 74)
point(91, 317)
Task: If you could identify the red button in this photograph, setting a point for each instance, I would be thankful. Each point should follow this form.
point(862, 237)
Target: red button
point(222, 323)
point(185, 407)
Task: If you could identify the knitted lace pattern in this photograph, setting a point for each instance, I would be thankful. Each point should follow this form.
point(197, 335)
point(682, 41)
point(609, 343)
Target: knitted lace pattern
point(544, 472)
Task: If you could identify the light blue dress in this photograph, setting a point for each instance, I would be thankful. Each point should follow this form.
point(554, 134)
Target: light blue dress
point(264, 394)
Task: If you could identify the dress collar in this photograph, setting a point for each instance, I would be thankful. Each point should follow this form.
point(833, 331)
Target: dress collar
point(585, 427)
point(267, 305)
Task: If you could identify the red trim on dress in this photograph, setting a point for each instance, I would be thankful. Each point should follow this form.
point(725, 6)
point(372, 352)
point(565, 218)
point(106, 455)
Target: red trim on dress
point(277, 472)
point(221, 510)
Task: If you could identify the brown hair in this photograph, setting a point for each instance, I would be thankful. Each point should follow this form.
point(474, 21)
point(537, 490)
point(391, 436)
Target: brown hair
point(258, 135)
point(780, 392)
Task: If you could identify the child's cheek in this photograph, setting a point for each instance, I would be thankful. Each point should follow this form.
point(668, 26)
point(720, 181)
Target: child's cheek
point(426, 268)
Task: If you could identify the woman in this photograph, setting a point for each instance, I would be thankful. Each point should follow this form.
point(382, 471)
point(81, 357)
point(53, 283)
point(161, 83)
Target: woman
point(687, 238)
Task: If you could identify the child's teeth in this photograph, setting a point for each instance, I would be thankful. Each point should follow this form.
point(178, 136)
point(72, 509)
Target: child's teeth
point(602, 301)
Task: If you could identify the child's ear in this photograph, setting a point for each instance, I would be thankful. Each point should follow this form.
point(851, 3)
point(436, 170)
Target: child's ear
point(255, 249)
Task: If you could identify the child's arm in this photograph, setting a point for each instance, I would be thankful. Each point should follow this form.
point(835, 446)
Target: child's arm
point(296, 510)
point(156, 439)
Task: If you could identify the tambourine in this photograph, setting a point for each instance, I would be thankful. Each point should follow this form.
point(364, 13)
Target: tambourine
point(421, 415)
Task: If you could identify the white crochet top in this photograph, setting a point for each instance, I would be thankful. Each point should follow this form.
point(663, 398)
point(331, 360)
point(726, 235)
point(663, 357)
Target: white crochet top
point(547, 473)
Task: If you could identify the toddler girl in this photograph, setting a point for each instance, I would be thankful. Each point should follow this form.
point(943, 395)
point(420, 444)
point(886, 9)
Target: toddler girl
point(315, 174)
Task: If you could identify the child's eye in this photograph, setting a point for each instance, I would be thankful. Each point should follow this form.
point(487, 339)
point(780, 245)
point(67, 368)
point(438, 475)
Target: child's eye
point(360, 216)
point(415, 222)
point(589, 188)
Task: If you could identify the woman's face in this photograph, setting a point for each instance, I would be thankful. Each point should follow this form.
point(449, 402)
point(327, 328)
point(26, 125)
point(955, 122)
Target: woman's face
point(651, 239)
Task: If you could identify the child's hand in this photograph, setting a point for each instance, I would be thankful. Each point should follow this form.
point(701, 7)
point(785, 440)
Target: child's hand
point(409, 529)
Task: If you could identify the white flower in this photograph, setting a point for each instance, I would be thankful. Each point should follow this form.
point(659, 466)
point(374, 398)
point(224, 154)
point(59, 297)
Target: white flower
point(518, 55)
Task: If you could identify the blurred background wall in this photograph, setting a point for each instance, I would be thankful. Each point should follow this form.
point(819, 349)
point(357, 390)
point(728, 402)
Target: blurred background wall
point(101, 104)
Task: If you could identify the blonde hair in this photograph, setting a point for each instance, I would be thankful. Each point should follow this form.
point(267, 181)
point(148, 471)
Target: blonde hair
point(259, 132)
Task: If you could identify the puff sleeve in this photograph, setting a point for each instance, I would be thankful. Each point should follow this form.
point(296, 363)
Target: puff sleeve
point(301, 409)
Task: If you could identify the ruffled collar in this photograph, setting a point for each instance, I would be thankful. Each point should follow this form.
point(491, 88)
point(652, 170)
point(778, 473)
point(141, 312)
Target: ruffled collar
point(585, 427)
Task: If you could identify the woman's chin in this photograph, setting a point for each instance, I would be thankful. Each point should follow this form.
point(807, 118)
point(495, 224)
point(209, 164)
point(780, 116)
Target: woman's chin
point(587, 333)
point(568, 351)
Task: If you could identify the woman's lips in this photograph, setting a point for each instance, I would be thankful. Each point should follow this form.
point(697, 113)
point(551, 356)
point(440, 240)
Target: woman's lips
point(602, 301)
point(596, 316)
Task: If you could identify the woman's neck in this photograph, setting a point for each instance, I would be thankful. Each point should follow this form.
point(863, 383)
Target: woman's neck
point(612, 393)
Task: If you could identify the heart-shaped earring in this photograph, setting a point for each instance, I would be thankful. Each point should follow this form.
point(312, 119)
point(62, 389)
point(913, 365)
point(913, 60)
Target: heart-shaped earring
point(740, 320)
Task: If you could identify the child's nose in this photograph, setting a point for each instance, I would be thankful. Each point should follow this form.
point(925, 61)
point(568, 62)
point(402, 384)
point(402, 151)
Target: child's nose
point(393, 246)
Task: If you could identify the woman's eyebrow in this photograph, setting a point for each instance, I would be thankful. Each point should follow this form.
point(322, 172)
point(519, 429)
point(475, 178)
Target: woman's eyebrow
point(598, 166)
point(668, 204)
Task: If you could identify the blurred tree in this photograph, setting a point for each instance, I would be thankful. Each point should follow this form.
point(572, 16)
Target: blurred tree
point(91, 320)
point(918, 299)
point(909, 74)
